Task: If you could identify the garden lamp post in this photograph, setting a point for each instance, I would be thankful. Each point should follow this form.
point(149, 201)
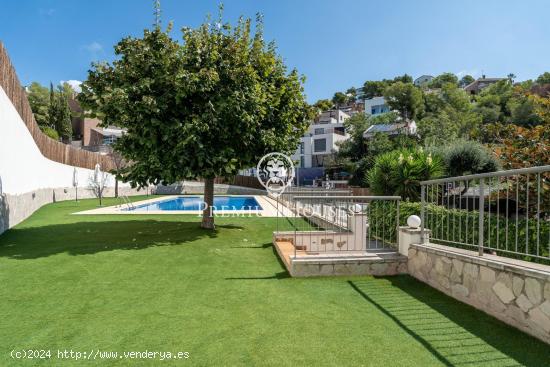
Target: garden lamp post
point(98, 181)
point(75, 183)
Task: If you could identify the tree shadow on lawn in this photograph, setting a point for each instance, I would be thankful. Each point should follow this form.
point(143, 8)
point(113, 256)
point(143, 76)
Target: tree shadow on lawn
point(284, 274)
point(84, 238)
point(455, 333)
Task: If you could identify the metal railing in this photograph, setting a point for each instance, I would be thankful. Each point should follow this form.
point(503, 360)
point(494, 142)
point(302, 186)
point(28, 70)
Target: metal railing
point(125, 200)
point(341, 224)
point(505, 213)
point(287, 197)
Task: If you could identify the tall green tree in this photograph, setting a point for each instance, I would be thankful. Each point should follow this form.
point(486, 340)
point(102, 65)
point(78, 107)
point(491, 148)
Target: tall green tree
point(323, 105)
point(340, 99)
point(492, 102)
point(442, 79)
point(39, 99)
point(62, 118)
point(59, 114)
point(465, 80)
point(448, 115)
point(404, 98)
point(373, 88)
point(544, 78)
point(205, 108)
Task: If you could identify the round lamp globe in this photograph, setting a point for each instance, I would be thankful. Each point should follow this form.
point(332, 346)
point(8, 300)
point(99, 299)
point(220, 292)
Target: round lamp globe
point(414, 221)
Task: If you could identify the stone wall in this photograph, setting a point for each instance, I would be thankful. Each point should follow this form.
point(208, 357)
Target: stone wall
point(516, 292)
point(16, 208)
point(348, 267)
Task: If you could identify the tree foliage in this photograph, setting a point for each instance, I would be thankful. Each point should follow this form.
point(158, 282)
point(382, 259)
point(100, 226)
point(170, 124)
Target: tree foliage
point(404, 98)
point(400, 172)
point(360, 153)
point(544, 78)
point(323, 105)
point(39, 100)
point(205, 108)
point(465, 80)
point(376, 88)
point(442, 79)
point(340, 99)
point(59, 113)
point(448, 115)
point(465, 157)
point(51, 110)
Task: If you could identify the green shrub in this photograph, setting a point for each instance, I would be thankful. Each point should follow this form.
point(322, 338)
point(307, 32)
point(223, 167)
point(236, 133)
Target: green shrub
point(461, 226)
point(52, 133)
point(465, 157)
point(400, 172)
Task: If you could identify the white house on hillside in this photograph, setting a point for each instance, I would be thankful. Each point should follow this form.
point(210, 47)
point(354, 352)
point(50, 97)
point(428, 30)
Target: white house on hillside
point(422, 80)
point(321, 139)
point(407, 127)
point(376, 106)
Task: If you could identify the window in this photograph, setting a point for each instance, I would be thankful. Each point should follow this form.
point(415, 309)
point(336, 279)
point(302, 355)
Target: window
point(302, 161)
point(108, 140)
point(373, 111)
point(319, 130)
point(320, 145)
point(302, 148)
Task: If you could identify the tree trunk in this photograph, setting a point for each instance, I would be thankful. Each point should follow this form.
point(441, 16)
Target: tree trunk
point(116, 188)
point(207, 213)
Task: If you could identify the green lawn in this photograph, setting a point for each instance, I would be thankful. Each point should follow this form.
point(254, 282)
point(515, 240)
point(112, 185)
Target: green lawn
point(159, 283)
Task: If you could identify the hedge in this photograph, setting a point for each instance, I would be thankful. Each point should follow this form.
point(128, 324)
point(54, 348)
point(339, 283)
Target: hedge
point(442, 221)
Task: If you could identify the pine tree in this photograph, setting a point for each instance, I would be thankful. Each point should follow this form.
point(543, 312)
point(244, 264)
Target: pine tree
point(52, 108)
point(59, 114)
point(63, 123)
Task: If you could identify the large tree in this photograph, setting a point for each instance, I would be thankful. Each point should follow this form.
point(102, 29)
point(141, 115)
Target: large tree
point(465, 80)
point(323, 105)
point(404, 98)
point(59, 113)
point(39, 99)
point(448, 115)
point(203, 108)
point(340, 99)
point(442, 79)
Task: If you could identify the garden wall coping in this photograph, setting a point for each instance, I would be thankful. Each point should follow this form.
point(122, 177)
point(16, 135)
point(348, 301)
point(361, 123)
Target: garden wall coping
point(501, 263)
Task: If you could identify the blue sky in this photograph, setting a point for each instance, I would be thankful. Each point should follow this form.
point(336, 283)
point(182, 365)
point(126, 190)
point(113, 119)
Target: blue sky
point(336, 44)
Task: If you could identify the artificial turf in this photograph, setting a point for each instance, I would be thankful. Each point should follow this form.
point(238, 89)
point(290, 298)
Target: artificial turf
point(159, 283)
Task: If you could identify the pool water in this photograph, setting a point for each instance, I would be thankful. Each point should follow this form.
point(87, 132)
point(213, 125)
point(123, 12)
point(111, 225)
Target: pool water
point(188, 203)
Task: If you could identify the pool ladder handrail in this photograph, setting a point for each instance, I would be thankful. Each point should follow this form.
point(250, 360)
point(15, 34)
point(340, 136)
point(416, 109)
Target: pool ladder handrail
point(126, 201)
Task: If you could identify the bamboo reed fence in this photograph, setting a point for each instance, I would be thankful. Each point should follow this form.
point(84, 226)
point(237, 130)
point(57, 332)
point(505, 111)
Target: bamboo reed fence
point(51, 149)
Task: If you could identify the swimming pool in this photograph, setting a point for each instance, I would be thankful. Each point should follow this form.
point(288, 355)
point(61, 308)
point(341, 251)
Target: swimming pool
point(194, 203)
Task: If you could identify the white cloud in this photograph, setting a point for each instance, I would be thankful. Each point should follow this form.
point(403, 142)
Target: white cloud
point(75, 84)
point(94, 48)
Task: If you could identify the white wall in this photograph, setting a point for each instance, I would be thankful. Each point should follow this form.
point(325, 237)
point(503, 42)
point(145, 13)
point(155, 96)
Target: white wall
point(23, 168)
point(372, 102)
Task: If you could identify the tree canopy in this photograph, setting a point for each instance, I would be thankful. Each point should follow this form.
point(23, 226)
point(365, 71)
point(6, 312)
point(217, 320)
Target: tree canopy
point(404, 98)
point(51, 110)
point(204, 108)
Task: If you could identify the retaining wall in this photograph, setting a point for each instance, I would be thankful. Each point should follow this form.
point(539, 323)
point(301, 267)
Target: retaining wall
point(514, 291)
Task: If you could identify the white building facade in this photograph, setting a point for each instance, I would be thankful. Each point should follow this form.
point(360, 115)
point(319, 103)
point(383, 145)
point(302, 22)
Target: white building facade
point(423, 80)
point(321, 140)
point(376, 106)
